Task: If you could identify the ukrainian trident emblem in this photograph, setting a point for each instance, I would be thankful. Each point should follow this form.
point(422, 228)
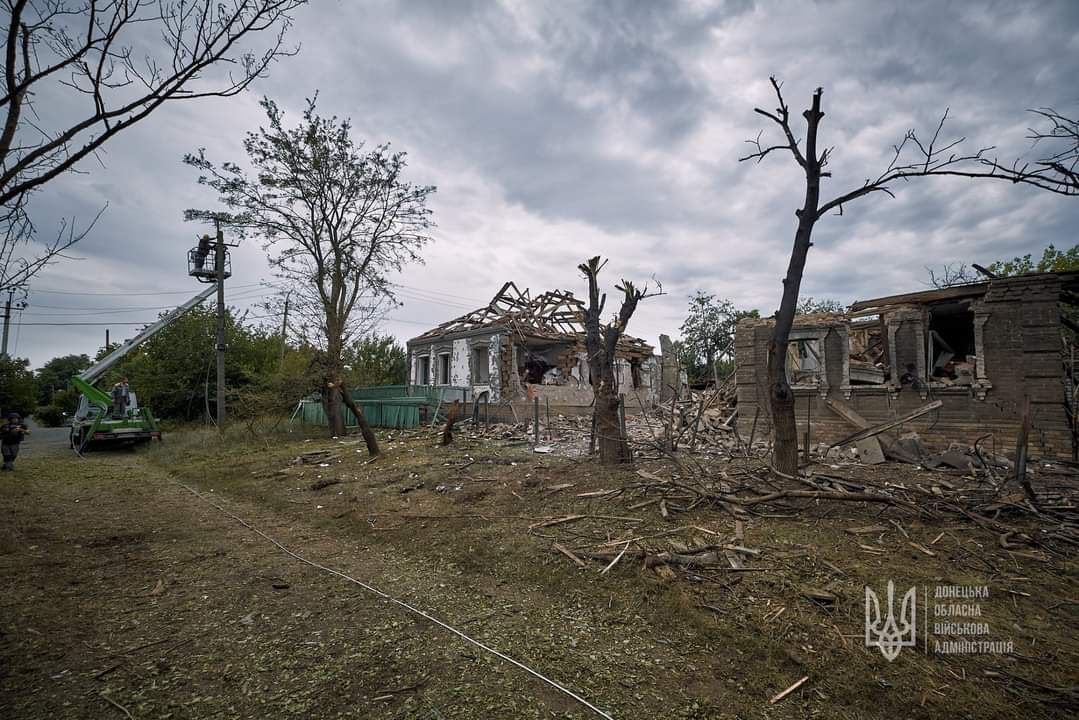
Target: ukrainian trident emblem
point(886, 632)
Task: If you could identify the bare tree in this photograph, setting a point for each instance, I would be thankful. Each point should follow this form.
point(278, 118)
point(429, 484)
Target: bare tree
point(951, 274)
point(336, 220)
point(602, 344)
point(912, 157)
point(1061, 134)
point(124, 59)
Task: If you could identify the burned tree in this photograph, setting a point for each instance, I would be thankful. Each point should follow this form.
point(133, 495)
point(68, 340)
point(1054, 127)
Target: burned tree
point(337, 219)
point(912, 158)
point(602, 343)
point(109, 64)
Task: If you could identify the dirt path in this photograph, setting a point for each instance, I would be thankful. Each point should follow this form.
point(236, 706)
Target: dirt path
point(121, 586)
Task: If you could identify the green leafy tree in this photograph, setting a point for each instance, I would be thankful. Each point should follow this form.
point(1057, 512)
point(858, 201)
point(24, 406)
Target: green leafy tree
point(62, 405)
point(337, 219)
point(707, 345)
point(55, 375)
point(376, 360)
point(18, 391)
point(1052, 260)
point(172, 373)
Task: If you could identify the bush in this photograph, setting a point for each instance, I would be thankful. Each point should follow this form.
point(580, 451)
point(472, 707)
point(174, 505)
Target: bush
point(50, 415)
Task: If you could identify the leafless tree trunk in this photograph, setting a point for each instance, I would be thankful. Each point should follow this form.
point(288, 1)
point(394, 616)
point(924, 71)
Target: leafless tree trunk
point(928, 159)
point(369, 438)
point(602, 343)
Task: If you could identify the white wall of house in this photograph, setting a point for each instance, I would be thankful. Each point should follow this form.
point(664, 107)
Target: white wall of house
point(459, 373)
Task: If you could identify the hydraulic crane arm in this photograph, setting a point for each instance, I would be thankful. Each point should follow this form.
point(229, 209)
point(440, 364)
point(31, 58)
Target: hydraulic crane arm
point(91, 375)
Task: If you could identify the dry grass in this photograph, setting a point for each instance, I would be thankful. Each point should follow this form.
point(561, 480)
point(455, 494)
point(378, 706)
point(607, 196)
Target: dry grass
point(448, 529)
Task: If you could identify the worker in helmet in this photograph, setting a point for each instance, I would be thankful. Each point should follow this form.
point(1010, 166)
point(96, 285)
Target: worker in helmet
point(11, 434)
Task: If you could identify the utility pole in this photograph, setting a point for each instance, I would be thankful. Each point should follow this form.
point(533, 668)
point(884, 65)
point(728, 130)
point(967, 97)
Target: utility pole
point(219, 267)
point(284, 334)
point(106, 340)
point(7, 319)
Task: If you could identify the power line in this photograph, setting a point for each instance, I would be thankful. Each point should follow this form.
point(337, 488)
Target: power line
point(438, 292)
point(156, 292)
point(67, 324)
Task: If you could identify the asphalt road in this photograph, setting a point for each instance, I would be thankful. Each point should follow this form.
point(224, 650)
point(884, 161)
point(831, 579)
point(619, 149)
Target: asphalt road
point(44, 440)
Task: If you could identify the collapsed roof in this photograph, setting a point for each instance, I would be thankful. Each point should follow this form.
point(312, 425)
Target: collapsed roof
point(1069, 279)
point(553, 315)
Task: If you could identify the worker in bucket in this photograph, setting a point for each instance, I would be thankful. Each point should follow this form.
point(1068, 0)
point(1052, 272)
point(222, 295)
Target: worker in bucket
point(202, 252)
point(11, 434)
point(120, 398)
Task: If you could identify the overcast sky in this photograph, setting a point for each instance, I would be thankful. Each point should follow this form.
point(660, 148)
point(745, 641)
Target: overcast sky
point(559, 130)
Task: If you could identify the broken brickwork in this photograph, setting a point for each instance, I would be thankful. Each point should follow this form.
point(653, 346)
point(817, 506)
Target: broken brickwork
point(521, 347)
point(980, 349)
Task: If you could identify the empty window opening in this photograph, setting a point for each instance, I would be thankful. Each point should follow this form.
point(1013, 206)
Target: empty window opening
point(539, 365)
point(424, 372)
point(950, 344)
point(868, 353)
point(635, 373)
point(804, 361)
point(482, 370)
point(444, 369)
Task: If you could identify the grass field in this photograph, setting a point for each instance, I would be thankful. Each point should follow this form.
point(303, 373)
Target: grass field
point(125, 594)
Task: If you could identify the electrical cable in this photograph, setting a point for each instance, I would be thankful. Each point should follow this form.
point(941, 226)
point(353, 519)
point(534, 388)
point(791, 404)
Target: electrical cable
point(155, 292)
point(401, 603)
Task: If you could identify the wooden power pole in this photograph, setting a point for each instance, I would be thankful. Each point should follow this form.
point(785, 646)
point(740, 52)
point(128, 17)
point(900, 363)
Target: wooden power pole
point(219, 268)
point(284, 335)
point(7, 320)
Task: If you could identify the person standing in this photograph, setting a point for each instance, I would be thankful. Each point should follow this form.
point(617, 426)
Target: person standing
point(202, 252)
point(120, 399)
point(11, 434)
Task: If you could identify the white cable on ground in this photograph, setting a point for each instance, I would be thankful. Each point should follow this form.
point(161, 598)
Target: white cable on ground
point(401, 603)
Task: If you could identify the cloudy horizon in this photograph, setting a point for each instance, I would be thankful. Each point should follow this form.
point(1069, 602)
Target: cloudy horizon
point(555, 132)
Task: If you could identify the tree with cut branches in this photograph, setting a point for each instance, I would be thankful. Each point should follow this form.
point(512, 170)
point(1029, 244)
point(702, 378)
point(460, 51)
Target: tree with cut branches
point(336, 219)
point(601, 342)
point(912, 157)
point(109, 64)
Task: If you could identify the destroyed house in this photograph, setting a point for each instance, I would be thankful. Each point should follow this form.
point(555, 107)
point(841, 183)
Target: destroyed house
point(980, 350)
point(521, 347)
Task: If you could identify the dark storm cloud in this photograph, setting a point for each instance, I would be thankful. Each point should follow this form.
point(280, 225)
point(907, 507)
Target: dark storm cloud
point(559, 130)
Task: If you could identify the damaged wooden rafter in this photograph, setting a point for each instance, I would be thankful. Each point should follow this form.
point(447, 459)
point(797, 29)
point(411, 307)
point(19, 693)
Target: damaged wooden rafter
point(553, 315)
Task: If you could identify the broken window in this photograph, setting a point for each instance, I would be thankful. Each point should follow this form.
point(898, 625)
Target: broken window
point(868, 352)
point(482, 373)
point(950, 344)
point(804, 363)
point(444, 369)
point(542, 364)
point(423, 373)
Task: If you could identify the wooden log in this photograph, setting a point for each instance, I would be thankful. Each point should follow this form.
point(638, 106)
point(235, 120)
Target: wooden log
point(878, 429)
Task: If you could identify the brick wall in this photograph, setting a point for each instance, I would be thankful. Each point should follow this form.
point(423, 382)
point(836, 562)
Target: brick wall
point(1022, 355)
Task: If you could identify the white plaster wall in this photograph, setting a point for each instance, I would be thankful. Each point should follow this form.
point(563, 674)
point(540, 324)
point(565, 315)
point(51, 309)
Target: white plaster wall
point(459, 370)
point(494, 366)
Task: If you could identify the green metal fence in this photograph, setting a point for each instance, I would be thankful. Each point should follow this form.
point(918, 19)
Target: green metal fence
point(392, 406)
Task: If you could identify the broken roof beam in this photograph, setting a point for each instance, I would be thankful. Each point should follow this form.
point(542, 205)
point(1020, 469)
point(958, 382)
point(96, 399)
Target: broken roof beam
point(878, 429)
